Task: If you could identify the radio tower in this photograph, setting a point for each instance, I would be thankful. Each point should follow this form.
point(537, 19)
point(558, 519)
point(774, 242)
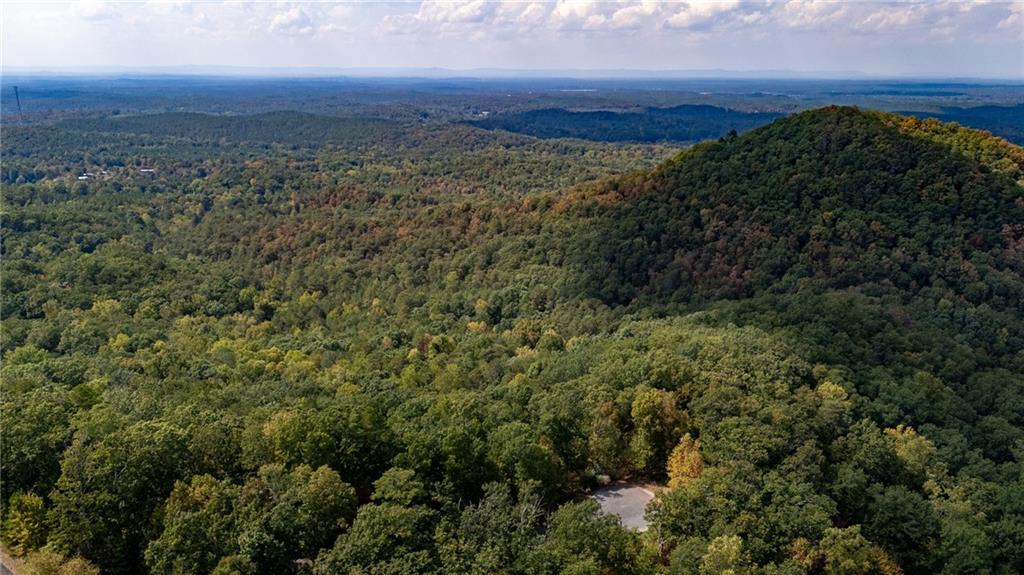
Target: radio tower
point(17, 99)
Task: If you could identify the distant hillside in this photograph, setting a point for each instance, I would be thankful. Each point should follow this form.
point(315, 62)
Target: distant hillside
point(1003, 121)
point(285, 127)
point(688, 123)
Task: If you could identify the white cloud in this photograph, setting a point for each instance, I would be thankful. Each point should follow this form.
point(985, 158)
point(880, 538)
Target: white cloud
point(569, 14)
point(634, 16)
point(1015, 20)
point(300, 19)
point(164, 8)
point(596, 15)
point(473, 12)
point(811, 14)
point(701, 14)
point(200, 24)
point(442, 17)
point(94, 10)
point(518, 13)
point(292, 22)
point(469, 18)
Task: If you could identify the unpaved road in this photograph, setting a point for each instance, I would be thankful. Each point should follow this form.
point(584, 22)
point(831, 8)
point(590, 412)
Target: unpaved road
point(8, 564)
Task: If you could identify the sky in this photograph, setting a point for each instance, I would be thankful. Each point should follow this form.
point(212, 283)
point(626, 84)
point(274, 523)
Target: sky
point(939, 38)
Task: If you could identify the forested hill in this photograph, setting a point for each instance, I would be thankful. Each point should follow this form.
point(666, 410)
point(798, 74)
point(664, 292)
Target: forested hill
point(920, 222)
point(415, 349)
point(838, 196)
point(686, 123)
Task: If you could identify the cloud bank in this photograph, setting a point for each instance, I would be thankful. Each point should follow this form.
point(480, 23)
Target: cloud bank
point(941, 37)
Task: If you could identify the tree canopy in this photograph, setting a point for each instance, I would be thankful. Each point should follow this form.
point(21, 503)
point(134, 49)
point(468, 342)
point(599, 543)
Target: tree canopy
point(275, 344)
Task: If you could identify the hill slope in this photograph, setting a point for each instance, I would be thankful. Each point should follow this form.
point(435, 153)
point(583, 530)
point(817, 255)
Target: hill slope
point(838, 196)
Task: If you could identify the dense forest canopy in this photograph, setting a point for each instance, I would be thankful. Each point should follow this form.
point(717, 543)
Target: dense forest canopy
point(290, 344)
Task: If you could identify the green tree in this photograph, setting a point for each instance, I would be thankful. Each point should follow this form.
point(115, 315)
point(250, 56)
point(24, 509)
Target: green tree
point(655, 419)
point(581, 539)
point(109, 489)
point(384, 539)
point(200, 528)
point(906, 526)
point(724, 556)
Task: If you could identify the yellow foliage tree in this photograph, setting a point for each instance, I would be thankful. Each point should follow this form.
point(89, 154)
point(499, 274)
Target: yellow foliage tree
point(25, 525)
point(917, 453)
point(685, 463)
point(48, 562)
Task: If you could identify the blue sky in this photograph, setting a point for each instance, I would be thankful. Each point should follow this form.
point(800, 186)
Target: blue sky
point(937, 38)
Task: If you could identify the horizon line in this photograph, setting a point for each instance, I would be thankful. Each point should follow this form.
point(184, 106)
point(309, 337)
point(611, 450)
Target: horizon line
point(483, 73)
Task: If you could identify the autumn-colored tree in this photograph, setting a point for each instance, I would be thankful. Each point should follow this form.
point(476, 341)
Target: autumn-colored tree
point(48, 562)
point(685, 463)
point(24, 527)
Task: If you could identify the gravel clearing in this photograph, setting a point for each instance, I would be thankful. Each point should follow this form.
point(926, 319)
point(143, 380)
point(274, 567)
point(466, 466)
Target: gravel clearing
point(626, 500)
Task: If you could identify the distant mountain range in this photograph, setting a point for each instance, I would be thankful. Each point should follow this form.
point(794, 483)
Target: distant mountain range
point(435, 72)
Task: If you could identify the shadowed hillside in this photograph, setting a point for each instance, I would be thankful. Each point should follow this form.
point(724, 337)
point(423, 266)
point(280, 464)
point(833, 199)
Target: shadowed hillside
point(835, 197)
